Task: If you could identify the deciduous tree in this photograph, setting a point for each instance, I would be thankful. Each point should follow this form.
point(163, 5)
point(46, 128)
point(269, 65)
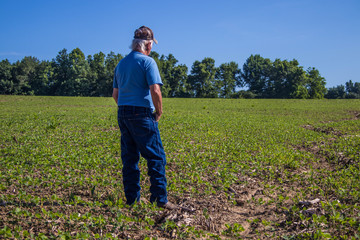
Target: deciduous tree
point(62, 72)
point(316, 84)
point(227, 77)
point(6, 82)
point(202, 78)
point(336, 92)
point(256, 73)
point(22, 72)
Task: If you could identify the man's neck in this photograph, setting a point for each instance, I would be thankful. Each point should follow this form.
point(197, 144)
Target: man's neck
point(147, 53)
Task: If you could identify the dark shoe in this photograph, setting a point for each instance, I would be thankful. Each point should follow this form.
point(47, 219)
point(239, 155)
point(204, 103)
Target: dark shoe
point(168, 205)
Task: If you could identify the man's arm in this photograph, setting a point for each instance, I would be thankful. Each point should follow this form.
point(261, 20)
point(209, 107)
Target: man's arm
point(156, 96)
point(115, 94)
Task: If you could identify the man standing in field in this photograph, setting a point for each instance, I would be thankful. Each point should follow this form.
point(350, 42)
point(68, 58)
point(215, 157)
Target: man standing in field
point(137, 92)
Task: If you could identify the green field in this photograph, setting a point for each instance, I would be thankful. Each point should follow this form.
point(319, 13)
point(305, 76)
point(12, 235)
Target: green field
point(245, 168)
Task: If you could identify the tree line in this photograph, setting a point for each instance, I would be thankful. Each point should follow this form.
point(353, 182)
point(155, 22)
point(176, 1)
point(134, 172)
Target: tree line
point(351, 90)
point(71, 74)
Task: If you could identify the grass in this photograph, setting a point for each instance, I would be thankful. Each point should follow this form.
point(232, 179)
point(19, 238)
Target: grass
point(245, 167)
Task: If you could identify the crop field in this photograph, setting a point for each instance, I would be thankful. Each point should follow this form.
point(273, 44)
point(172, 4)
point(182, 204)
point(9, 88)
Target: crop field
point(240, 169)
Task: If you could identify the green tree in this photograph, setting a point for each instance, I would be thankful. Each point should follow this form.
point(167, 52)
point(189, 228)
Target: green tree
point(227, 76)
point(62, 71)
point(289, 80)
point(296, 80)
point(111, 62)
point(337, 92)
point(179, 86)
point(98, 76)
point(40, 81)
point(352, 89)
point(316, 84)
point(281, 79)
point(6, 81)
point(255, 74)
point(70, 74)
point(166, 68)
point(23, 71)
point(202, 78)
point(77, 82)
point(174, 76)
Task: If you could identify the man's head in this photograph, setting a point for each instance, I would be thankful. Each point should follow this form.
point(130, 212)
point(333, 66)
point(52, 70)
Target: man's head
point(144, 33)
point(143, 40)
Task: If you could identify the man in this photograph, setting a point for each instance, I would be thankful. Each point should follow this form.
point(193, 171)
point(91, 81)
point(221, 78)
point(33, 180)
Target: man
point(136, 90)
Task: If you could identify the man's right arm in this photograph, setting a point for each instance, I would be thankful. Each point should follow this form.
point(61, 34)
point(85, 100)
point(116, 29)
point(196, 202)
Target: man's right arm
point(115, 94)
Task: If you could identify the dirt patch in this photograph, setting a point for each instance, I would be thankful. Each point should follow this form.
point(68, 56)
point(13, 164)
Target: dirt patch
point(322, 151)
point(326, 130)
point(356, 115)
point(250, 206)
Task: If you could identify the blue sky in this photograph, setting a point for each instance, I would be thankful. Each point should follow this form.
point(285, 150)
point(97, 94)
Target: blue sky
point(324, 34)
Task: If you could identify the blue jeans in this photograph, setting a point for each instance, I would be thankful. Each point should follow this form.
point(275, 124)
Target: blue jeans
point(140, 135)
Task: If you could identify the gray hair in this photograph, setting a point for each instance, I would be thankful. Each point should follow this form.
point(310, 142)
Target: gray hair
point(140, 44)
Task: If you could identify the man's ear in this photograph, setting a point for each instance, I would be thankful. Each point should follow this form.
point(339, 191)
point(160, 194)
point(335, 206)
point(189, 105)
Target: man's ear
point(148, 46)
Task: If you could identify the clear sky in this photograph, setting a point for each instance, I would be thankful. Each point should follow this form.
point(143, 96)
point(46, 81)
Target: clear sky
point(324, 34)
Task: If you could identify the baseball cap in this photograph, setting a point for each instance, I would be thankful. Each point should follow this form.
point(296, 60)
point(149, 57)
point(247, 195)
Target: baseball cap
point(144, 33)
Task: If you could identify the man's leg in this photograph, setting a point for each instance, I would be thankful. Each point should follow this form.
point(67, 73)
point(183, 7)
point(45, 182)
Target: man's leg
point(156, 171)
point(130, 158)
point(147, 136)
point(153, 152)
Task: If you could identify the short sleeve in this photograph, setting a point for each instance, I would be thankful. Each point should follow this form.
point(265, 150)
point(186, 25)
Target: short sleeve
point(152, 73)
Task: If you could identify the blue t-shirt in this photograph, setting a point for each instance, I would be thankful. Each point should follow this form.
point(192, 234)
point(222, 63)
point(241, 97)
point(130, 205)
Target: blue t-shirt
point(133, 76)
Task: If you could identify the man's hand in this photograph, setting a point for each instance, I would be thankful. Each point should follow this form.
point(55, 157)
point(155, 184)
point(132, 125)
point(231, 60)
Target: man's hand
point(157, 116)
